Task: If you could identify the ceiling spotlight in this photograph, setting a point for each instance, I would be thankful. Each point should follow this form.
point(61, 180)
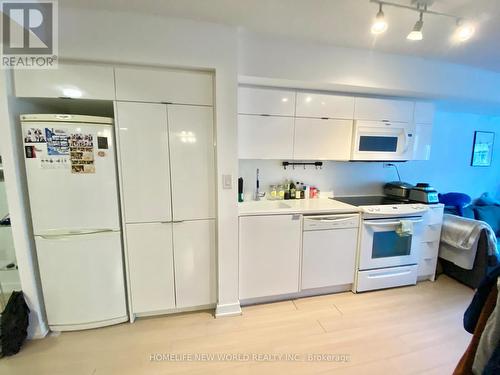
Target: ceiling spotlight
point(464, 31)
point(416, 33)
point(379, 24)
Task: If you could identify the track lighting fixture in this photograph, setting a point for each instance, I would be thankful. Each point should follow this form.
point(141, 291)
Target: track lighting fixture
point(379, 24)
point(416, 33)
point(464, 31)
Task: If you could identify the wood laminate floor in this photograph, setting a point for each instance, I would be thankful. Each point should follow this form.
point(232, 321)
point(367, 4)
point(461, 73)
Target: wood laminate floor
point(411, 330)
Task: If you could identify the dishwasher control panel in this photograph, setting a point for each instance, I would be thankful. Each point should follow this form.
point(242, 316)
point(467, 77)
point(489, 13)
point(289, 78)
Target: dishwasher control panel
point(325, 222)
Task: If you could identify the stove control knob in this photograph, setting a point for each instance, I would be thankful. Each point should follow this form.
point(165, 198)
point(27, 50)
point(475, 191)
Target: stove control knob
point(377, 209)
point(370, 209)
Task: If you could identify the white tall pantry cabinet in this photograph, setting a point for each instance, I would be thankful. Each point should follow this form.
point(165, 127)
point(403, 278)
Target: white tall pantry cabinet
point(168, 185)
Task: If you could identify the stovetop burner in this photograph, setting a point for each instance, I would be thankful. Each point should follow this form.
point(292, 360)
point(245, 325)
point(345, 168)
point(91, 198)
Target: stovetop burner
point(369, 200)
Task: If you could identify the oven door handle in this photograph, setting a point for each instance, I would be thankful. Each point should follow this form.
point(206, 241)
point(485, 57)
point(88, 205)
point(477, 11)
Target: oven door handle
point(388, 224)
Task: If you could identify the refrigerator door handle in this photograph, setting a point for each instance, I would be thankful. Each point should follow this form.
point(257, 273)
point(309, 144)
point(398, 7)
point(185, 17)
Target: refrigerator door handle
point(71, 233)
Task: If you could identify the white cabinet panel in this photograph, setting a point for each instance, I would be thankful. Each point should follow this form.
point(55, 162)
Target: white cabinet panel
point(192, 161)
point(144, 159)
point(161, 85)
point(269, 248)
point(432, 233)
point(328, 257)
point(265, 137)
point(318, 139)
point(429, 250)
point(324, 106)
point(266, 101)
point(151, 268)
point(68, 80)
point(424, 113)
point(383, 109)
point(427, 267)
point(195, 271)
point(422, 142)
point(434, 214)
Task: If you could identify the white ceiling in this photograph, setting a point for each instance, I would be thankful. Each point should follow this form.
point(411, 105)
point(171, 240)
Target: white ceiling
point(340, 22)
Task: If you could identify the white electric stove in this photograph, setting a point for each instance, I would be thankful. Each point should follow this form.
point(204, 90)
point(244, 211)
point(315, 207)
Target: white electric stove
point(387, 257)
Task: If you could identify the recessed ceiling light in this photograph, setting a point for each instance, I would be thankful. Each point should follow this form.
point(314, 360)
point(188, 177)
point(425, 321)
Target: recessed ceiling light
point(379, 24)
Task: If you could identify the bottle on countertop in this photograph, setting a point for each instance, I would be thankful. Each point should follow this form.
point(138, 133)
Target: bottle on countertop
point(274, 192)
point(281, 192)
point(297, 190)
point(302, 191)
point(312, 192)
point(287, 191)
point(293, 190)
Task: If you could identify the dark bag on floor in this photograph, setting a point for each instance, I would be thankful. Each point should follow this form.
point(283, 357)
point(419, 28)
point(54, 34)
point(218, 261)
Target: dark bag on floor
point(14, 324)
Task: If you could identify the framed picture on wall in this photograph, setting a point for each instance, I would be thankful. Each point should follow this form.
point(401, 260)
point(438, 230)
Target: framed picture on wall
point(482, 150)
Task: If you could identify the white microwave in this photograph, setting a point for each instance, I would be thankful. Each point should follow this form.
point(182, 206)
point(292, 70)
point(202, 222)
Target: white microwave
point(382, 140)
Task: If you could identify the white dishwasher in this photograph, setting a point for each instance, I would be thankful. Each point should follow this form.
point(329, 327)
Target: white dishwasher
point(329, 250)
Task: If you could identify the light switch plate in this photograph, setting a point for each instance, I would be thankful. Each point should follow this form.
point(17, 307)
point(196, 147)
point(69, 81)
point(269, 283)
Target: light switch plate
point(227, 181)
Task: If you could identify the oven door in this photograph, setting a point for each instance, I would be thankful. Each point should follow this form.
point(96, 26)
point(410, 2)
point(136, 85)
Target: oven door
point(382, 140)
point(381, 246)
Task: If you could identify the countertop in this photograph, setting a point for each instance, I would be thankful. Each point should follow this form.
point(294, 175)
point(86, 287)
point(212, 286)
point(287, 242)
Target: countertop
point(302, 206)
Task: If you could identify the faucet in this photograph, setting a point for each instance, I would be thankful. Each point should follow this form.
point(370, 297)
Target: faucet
point(258, 194)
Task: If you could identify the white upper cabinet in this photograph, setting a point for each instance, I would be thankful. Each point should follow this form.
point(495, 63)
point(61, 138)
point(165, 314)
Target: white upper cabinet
point(324, 106)
point(266, 101)
point(423, 119)
point(422, 142)
point(265, 137)
point(144, 157)
point(424, 113)
point(77, 81)
point(192, 161)
point(166, 86)
point(318, 139)
point(383, 109)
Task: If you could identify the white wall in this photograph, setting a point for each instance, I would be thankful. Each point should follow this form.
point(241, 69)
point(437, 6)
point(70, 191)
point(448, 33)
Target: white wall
point(448, 169)
point(273, 60)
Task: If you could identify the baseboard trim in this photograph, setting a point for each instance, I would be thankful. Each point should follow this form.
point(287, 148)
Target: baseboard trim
point(228, 309)
point(302, 294)
point(172, 311)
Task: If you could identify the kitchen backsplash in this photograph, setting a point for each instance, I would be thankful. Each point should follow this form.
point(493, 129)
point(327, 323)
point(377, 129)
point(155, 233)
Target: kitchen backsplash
point(341, 178)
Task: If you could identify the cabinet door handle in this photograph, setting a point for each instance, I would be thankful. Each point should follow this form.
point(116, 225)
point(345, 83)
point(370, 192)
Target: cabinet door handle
point(177, 221)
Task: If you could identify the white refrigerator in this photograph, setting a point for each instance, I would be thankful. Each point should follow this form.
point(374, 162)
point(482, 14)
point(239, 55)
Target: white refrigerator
point(73, 194)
